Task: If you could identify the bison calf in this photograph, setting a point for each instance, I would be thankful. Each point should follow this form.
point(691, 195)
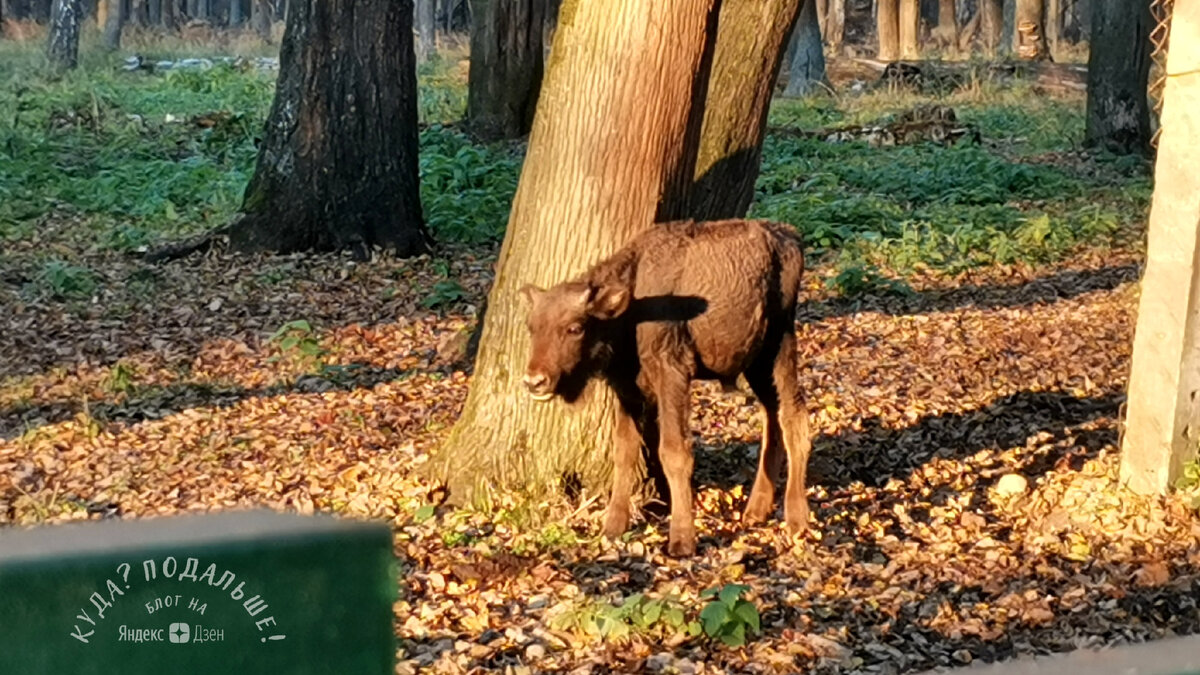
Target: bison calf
point(682, 301)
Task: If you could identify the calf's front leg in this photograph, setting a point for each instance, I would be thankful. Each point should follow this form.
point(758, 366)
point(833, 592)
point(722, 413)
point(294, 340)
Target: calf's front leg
point(625, 456)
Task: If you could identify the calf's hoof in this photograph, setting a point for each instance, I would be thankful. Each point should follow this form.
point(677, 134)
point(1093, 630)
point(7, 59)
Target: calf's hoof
point(681, 548)
point(758, 509)
point(796, 518)
point(616, 522)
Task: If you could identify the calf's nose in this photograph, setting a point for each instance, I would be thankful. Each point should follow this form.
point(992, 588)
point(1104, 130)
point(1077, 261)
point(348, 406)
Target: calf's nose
point(535, 381)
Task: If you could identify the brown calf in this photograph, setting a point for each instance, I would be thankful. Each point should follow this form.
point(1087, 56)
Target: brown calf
point(682, 301)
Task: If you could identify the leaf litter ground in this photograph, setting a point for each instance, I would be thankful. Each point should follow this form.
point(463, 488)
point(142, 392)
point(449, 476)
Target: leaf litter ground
point(163, 393)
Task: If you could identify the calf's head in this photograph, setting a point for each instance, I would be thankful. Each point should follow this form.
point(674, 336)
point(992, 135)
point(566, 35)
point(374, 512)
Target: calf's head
point(566, 327)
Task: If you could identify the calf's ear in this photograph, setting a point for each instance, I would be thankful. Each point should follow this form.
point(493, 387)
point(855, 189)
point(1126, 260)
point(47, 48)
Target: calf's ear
point(609, 301)
point(531, 293)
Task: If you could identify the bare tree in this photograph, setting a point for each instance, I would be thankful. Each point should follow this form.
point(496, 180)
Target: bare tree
point(426, 35)
point(887, 29)
point(62, 46)
point(507, 63)
point(337, 168)
point(910, 29)
point(806, 54)
point(113, 22)
point(992, 25)
point(261, 17)
point(1118, 115)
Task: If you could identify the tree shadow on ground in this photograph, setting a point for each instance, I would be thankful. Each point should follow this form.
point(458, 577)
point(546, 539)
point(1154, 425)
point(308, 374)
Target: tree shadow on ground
point(1056, 286)
point(140, 404)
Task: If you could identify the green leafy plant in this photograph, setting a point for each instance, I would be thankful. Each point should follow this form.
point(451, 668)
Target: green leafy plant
point(856, 278)
point(121, 378)
point(728, 617)
point(444, 292)
point(63, 281)
point(636, 614)
point(297, 339)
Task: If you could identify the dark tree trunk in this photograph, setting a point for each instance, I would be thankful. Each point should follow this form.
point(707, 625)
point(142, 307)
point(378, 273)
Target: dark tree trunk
point(507, 62)
point(170, 14)
point(260, 16)
point(113, 22)
point(1118, 114)
point(807, 68)
point(62, 46)
point(236, 15)
point(337, 168)
point(138, 13)
point(426, 34)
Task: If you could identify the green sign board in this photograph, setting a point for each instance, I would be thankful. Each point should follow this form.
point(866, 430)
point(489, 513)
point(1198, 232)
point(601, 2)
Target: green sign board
point(235, 592)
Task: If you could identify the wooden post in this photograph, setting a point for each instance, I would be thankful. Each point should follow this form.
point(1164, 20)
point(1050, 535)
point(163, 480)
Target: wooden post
point(1162, 427)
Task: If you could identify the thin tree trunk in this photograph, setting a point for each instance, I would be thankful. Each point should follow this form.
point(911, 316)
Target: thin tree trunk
point(751, 36)
point(193, 8)
point(170, 14)
point(836, 32)
point(1053, 26)
point(113, 22)
point(992, 23)
point(426, 35)
point(807, 68)
point(337, 168)
point(968, 32)
point(910, 29)
point(822, 22)
point(260, 16)
point(887, 28)
point(507, 63)
point(947, 24)
point(62, 47)
point(138, 13)
point(1118, 114)
point(1029, 35)
point(604, 148)
point(236, 15)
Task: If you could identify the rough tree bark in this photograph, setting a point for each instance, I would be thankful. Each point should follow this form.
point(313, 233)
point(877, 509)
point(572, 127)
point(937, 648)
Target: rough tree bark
point(946, 32)
point(806, 68)
point(426, 35)
point(113, 22)
point(62, 45)
point(1029, 31)
point(992, 13)
point(910, 29)
point(1118, 114)
point(261, 18)
point(507, 63)
point(337, 168)
point(887, 29)
point(751, 39)
point(605, 150)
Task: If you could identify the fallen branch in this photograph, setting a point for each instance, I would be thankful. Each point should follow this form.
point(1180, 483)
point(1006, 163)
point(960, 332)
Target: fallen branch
point(200, 243)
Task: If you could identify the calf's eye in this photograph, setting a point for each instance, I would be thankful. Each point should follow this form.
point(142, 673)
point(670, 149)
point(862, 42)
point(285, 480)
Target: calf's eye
point(574, 329)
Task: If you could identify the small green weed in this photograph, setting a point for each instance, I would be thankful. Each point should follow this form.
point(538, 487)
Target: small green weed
point(636, 614)
point(63, 281)
point(297, 340)
point(728, 616)
point(857, 278)
point(121, 378)
point(444, 292)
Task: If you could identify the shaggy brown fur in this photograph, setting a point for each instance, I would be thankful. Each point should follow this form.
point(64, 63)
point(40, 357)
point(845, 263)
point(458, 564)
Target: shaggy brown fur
point(682, 301)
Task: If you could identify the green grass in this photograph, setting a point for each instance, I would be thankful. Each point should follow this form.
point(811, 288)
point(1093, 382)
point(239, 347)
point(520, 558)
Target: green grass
point(119, 151)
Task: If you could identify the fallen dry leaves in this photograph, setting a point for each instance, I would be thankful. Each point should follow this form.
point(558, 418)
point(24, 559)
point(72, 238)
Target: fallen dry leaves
point(964, 485)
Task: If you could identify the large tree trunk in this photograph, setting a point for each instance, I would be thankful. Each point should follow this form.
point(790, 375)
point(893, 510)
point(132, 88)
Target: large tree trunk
point(426, 35)
point(946, 32)
point(992, 12)
point(1118, 114)
point(604, 151)
point(1029, 34)
point(910, 29)
point(337, 168)
point(507, 62)
point(835, 23)
point(260, 17)
point(113, 22)
point(887, 29)
point(62, 45)
point(807, 67)
point(750, 43)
